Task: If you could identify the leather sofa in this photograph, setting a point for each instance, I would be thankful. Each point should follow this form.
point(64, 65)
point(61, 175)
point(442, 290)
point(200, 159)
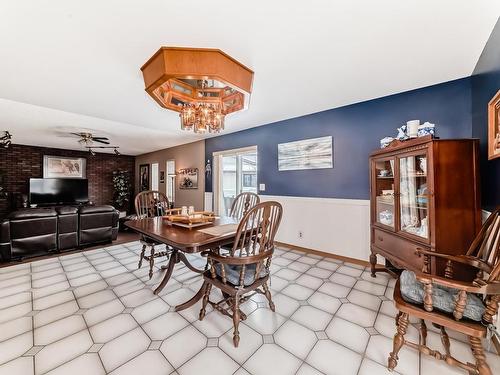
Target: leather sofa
point(31, 232)
point(97, 223)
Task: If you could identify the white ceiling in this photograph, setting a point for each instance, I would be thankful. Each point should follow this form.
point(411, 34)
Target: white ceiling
point(69, 65)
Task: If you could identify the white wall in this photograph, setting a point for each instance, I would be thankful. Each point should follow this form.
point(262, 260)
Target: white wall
point(337, 226)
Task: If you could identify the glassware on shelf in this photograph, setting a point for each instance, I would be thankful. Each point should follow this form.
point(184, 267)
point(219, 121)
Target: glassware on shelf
point(413, 198)
point(386, 218)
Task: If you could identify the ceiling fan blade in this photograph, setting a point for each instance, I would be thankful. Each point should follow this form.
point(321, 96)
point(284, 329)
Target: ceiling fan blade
point(97, 140)
point(104, 138)
point(78, 134)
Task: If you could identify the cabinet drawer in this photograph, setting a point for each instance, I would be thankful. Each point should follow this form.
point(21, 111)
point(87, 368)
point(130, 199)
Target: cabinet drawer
point(398, 250)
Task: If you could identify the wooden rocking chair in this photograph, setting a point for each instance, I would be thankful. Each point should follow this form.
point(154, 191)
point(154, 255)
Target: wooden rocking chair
point(241, 271)
point(481, 289)
point(148, 204)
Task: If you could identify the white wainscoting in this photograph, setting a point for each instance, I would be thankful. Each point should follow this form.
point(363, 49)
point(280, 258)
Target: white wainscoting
point(337, 226)
point(209, 198)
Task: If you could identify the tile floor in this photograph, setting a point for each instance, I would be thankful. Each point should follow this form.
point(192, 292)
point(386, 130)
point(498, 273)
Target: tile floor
point(94, 313)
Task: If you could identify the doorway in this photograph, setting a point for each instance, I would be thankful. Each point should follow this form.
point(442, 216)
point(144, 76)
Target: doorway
point(235, 172)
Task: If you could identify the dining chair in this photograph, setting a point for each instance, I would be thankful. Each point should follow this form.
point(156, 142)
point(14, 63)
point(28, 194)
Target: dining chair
point(149, 204)
point(242, 203)
point(463, 298)
point(241, 271)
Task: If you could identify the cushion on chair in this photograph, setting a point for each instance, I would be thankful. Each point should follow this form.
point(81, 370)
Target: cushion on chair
point(233, 273)
point(443, 298)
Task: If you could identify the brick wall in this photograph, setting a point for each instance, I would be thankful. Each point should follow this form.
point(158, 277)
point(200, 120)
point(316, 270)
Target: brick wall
point(20, 162)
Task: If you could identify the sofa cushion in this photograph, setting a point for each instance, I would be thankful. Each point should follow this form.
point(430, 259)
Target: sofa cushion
point(32, 213)
point(443, 298)
point(66, 210)
point(96, 209)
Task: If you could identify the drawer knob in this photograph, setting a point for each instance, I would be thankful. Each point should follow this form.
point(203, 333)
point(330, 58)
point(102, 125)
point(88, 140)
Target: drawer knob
point(381, 239)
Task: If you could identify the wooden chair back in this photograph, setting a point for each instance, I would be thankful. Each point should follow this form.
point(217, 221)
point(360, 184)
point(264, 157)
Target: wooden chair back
point(242, 203)
point(486, 245)
point(254, 242)
point(151, 203)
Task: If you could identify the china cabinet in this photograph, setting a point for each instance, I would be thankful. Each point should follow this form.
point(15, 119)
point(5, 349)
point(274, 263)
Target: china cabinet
point(424, 194)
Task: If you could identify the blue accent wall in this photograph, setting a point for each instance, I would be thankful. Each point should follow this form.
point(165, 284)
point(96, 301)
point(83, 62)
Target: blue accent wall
point(356, 130)
point(485, 83)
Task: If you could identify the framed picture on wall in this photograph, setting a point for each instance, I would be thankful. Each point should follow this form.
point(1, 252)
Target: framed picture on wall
point(314, 153)
point(188, 178)
point(143, 177)
point(494, 127)
point(162, 177)
point(64, 167)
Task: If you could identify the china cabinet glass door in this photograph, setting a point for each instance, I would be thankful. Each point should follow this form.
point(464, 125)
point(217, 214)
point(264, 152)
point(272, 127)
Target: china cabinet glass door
point(384, 192)
point(414, 195)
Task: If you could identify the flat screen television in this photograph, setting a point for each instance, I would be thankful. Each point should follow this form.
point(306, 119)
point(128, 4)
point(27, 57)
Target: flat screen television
point(53, 191)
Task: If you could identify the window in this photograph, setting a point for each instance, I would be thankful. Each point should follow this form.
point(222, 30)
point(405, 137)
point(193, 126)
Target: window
point(154, 176)
point(170, 181)
point(249, 180)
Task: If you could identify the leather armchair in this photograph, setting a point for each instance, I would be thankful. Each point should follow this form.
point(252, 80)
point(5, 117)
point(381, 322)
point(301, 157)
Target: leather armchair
point(97, 224)
point(29, 232)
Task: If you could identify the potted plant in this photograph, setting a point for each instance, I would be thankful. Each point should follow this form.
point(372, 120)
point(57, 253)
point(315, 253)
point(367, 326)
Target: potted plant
point(122, 191)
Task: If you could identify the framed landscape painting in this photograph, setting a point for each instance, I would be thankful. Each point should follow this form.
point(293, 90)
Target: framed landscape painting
point(64, 167)
point(314, 153)
point(494, 127)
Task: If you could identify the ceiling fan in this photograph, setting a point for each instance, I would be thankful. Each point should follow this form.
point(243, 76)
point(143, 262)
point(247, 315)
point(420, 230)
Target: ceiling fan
point(89, 138)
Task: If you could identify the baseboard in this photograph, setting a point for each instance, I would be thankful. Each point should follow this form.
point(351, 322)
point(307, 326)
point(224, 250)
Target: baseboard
point(328, 255)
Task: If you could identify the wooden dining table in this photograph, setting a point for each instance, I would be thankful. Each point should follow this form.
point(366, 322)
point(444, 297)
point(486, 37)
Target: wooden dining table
point(185, 240)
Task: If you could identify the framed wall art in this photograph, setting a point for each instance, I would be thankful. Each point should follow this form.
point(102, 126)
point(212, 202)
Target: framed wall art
point(314, 153)
point(494, 127)
point(144, 177)
point(188, 178)
point(64, 167)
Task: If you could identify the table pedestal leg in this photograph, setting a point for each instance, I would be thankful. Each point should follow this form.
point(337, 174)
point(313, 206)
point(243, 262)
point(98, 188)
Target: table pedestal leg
point(175, 257)
point(192, 301)
point(184, 260)
point(169, 267)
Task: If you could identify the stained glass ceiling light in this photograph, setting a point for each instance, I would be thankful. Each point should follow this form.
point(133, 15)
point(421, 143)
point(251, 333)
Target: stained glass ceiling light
point(203, 85)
